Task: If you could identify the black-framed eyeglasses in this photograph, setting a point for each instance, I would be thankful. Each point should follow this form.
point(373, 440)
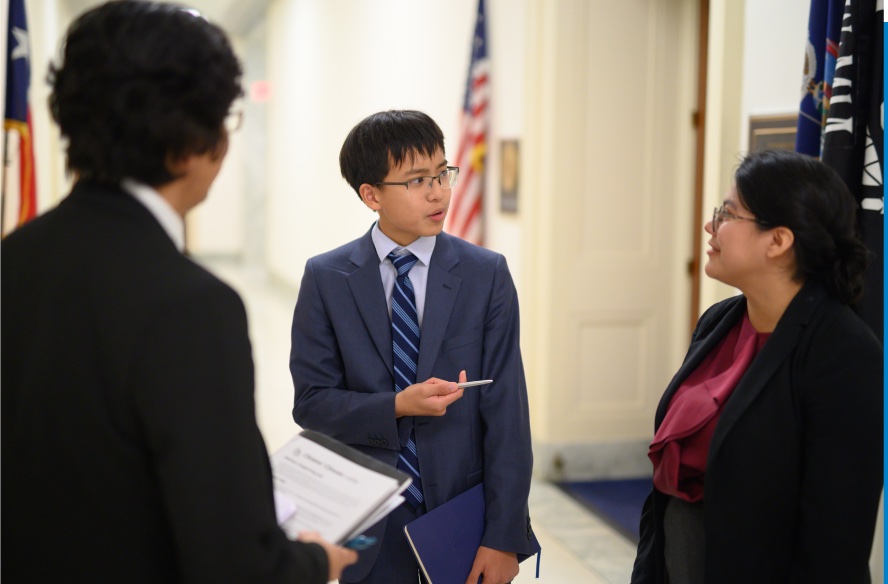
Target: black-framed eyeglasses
point(719, 216)
point(423, 184)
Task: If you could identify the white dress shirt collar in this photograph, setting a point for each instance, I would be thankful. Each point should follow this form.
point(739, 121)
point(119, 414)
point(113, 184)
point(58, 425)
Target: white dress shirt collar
point(168, 218)
point(422, 248)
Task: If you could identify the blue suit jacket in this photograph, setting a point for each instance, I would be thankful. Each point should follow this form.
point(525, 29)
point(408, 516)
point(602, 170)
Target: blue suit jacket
point(341, 363)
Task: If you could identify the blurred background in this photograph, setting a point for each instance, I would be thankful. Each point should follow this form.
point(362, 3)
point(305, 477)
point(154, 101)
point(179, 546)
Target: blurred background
point(614, 129)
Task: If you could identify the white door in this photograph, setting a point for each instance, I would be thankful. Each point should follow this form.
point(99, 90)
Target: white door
point(608, 191)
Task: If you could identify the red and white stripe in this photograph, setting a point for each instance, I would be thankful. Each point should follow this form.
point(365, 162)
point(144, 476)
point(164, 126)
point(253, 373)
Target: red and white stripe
point(465, 218)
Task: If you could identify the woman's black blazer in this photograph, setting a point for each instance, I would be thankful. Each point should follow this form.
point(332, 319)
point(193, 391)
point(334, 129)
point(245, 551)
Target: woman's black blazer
point(794, 471)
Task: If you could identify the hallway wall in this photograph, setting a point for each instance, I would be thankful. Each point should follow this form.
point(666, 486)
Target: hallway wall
point(329, 63)
point(333, 62)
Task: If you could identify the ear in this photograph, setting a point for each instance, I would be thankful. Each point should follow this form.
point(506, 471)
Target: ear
point(780, 244)
point(369, 195)
point(178, 166)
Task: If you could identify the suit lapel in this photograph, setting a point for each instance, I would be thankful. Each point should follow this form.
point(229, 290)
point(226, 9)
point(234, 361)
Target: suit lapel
point(781, 344)
point(366, 288)
point(441, 290)
point(727, 321)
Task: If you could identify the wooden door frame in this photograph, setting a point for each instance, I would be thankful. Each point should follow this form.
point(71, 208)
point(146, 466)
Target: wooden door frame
point(699, 121)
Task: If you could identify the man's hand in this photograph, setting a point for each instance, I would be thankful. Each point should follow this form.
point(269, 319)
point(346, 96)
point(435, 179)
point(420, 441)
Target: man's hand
point(496, 566)
point(429, 398)
point(337, 557)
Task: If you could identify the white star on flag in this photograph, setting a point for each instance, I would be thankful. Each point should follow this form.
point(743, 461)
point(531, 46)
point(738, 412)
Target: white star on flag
point(21, 44)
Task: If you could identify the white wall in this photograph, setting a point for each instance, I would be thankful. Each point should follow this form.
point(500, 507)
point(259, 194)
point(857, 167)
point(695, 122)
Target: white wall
point(216, 226)
point(774, 54)
point(332, 63)
point(506, 28)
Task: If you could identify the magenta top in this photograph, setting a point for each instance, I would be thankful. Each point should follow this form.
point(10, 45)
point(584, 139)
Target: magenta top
point(681, 444)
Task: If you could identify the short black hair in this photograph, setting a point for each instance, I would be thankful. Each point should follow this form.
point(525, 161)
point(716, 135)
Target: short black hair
point(784, 188)
point(383, 140)
point(139, 84)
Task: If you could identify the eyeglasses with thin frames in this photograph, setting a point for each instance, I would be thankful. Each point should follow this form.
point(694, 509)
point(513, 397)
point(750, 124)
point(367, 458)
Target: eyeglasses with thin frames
point(719, 216)
point(423, 184)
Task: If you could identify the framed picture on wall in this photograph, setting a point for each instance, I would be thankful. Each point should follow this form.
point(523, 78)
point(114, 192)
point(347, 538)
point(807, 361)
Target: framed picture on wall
point(777, 132)
point(509, 176)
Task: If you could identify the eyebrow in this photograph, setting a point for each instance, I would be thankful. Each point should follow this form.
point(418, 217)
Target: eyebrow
point(424, 171)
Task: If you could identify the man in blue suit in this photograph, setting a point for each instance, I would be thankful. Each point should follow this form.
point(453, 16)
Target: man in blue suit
point(348, 370)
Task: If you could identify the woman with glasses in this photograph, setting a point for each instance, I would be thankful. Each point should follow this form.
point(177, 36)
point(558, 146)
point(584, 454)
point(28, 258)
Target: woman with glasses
point(768, 447)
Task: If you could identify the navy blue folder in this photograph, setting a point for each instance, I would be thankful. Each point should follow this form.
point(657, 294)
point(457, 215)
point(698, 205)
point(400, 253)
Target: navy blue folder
point(446, 539)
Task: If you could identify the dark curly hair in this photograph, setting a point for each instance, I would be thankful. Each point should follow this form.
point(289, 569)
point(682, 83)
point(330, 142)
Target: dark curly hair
point(808, 197)
point(386, 138)
point(141, 84)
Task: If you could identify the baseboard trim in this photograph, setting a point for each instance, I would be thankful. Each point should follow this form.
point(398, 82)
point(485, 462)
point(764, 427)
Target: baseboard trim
point(587, 461)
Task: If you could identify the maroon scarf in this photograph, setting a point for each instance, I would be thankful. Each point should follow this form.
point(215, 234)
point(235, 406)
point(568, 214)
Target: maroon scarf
point(681, 445)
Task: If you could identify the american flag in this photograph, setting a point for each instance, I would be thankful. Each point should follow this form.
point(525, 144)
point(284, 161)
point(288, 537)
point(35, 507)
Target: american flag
point(17, 117)
point(465, 219)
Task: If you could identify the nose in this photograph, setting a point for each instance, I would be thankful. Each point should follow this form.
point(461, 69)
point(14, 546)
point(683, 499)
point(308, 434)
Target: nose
point(709, 228)
point(436, 191)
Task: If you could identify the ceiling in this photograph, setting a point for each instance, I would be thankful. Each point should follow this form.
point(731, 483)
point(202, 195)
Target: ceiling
point(237, 17)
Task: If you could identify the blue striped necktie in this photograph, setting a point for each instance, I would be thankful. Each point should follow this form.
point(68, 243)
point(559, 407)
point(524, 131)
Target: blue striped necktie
point(405, 346)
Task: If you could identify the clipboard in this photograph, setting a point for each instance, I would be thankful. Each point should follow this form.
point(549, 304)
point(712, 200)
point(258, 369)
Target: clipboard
point(324, 485)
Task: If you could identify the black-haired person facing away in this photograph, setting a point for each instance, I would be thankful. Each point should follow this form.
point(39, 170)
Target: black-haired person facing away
point(768, 446)
point(129, 442)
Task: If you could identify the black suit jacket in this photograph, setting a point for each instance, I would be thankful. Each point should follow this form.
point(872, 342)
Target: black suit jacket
point(794, 471)
point(130, 448)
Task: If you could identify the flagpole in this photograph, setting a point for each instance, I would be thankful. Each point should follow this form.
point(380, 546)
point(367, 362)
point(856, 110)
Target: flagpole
point(3, 186)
